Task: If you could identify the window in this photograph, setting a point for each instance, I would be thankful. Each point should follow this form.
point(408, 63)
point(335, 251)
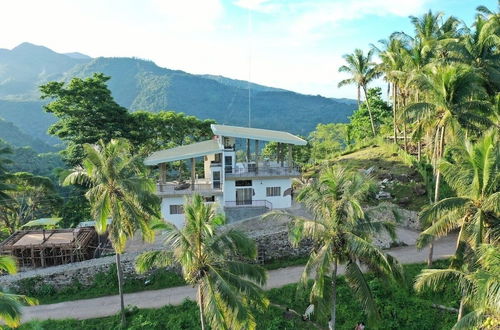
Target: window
point(273, 191)
point(209, 199)
point(228, 164)
point(243, 183)
point(176, 209)
point(216, 180)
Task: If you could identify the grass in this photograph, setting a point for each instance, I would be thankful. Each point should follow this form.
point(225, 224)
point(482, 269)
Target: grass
point(387, 164)
point(399, 307)
point(103, 284)
point(285, 262)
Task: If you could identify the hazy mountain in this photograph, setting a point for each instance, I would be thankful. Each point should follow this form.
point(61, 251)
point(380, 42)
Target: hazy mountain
point(78, 56)
point(15, 137)
point(139, 84)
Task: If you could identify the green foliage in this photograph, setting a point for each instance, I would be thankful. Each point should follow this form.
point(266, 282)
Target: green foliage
point(103, 284)
point(166, 129)
point(328, 140)
point(381, 112)
point(399, 307)
point(300, 154)
point(33, 197)
point(228, 289)
point(87, 113)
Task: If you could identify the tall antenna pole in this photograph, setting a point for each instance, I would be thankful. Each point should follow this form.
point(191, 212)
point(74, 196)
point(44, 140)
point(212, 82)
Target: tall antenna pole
point(249, 67)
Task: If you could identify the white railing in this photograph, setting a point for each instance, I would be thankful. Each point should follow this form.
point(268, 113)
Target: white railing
point(249, 203)
point(170, 188)
point(264, 171)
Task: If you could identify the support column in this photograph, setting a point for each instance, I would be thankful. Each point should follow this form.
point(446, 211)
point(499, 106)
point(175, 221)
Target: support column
point(290, 156)
point(193, 172)
point(163, 173)
point(248, 150)
point(256, 156)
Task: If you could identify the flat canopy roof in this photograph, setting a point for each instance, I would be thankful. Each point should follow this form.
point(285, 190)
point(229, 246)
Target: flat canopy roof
point(257, 134)
point(193, 150)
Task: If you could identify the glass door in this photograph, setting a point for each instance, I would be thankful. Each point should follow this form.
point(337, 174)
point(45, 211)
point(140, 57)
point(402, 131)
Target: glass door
point(244, 196)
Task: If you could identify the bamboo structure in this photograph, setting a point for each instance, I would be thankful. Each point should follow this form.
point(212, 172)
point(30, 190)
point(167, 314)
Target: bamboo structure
point(44, 248)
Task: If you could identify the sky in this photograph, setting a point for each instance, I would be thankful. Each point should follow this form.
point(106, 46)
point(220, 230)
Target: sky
point(291, 44)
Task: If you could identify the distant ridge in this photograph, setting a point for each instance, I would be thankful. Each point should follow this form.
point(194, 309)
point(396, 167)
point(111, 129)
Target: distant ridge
point(142, 85)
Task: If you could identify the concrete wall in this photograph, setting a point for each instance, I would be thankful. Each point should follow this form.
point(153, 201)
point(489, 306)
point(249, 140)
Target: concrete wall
point(259, 186)
point(178, 219)
point(271, 246)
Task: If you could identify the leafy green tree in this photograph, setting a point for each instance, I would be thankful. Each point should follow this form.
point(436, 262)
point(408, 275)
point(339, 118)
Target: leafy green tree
point(329, 139)
point(87, 113)
point(300, 154)
point(362, 71)
point(34, 196)
point(380, 112)
point(10, 304)
point(118, 189)
point(479, 285)
point(228, 289)
point(166, 129)
point(4, 175)
point(341, 232)
point(474, 174)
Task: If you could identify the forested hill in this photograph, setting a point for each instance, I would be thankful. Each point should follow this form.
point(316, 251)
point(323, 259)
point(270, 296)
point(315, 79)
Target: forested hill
point(142, 85)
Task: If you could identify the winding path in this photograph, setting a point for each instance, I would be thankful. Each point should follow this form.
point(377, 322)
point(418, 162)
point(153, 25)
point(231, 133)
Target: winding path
point(110, 305)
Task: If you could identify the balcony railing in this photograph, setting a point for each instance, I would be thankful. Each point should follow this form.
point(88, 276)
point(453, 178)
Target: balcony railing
point(264, 171)
point(170, 188)
point(249, 203)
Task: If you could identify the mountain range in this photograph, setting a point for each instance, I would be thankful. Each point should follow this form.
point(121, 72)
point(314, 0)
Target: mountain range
point(139, 84)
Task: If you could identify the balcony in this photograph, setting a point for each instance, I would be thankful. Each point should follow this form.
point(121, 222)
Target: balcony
point(262, 171)
point(186, 188)
point(249, 203)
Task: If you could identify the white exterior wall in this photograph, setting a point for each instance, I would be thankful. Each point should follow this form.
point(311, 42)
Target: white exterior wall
point(259, 186)
point(178, 219)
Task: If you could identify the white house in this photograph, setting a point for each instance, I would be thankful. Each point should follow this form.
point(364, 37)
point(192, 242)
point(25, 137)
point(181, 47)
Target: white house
point(244, 188)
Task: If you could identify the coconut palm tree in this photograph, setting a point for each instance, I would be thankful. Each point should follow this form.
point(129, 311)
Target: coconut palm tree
point(341, 232)
point(362, 71)
point(479, 48)
point(10, 304)
point(209, 256)
point(479, 285)
point(455, 100)
point(118, 189)
point(392, 67)
point(474, 175)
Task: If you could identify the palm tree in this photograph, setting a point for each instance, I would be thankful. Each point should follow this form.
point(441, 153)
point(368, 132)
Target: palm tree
point(10, 304)
point(342, 234)
point(362, 71)
point(118, 190)
point(474, 175)
point(456, 99)
point(392, 66)
point(227, 288)
point(478, 48)
point(480, 288)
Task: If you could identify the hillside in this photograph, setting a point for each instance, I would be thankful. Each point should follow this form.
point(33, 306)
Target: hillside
point(15, 137)
point(142, 85)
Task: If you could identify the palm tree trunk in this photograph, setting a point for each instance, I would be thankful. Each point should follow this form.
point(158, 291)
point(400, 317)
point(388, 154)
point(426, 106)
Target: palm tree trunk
point(439, 154)
point(419, 150)
point(369, 110)
point(331, 324)
point(394, 91)
point(404, 135)
point(200, 297)
point(120, 287)
point(460, 310)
